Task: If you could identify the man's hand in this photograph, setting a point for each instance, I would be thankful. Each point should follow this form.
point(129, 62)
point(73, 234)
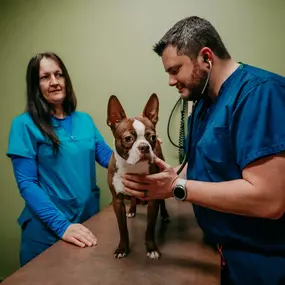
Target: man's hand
point(158, 186)
point(159, 140)
point(79, 235)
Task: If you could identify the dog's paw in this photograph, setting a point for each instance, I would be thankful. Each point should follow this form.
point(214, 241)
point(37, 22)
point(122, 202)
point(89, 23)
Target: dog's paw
point(152, 251)
point(153, 254)
point(121, 252)
point(131, 215)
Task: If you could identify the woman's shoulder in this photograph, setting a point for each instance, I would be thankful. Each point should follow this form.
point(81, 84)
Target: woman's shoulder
point(24, 125)
point(83, 116)
point(86, 121)
point(23, 119)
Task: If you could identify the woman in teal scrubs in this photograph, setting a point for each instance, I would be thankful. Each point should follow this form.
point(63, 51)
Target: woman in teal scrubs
point(235, 174)
point(53, 149)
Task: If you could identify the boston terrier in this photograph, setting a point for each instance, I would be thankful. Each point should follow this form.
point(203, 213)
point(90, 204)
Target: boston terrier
point(135, 144)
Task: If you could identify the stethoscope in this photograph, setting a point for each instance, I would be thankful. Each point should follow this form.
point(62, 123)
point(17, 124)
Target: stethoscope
point(186, 157)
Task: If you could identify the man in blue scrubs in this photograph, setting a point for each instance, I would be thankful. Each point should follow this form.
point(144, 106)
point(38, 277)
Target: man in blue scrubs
point(235, 172)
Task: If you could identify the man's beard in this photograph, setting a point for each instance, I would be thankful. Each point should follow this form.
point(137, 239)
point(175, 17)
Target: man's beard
point(197, 83)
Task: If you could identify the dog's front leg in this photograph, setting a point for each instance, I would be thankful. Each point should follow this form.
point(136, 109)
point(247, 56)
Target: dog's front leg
point(120, 211)
point(133, 207)
point(163, 212)
point(151, 247)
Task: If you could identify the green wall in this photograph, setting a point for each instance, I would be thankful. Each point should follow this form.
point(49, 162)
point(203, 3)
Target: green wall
point(107, 47)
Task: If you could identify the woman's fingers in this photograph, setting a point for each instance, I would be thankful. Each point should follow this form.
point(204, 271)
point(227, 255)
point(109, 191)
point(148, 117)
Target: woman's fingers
point(79, 235)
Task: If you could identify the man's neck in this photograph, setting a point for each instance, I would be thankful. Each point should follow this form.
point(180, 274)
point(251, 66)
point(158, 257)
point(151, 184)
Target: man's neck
point(220, 73)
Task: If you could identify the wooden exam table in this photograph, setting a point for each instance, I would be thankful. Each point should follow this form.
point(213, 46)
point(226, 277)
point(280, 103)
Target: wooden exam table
point(185, 258)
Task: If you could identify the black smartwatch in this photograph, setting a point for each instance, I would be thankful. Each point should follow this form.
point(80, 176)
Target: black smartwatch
point(179, 190)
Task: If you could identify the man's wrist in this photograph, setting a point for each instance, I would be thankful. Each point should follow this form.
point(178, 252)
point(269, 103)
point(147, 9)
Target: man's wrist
point(179, 190)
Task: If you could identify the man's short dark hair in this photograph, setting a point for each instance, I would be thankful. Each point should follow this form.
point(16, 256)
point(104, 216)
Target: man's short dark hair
point(190, 35)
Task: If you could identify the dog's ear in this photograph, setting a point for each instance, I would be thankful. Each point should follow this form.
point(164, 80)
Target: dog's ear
point(151, 109)
point(115, 113)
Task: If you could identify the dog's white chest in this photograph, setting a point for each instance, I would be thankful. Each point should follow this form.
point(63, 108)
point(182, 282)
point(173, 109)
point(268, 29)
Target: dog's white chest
point(139, 168)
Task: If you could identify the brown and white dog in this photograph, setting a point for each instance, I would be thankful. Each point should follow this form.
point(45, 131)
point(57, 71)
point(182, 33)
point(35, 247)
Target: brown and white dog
point(135, 146)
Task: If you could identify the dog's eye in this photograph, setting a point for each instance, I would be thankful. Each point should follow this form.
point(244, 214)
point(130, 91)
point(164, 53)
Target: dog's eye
point(153, 137)
point(128, 139)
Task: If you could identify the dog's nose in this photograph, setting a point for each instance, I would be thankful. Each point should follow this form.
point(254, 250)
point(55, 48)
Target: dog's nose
point(144, 148)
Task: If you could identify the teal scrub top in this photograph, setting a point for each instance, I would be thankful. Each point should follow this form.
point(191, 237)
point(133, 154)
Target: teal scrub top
point(69, 177)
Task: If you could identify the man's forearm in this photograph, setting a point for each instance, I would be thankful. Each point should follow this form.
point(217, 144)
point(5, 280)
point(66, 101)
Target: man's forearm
point(236, 197)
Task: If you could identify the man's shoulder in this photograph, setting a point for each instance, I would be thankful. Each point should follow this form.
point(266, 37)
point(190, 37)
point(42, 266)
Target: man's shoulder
point(252, 80)
point(255, 76)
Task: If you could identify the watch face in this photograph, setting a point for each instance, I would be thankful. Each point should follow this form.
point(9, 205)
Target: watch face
point(179, 192)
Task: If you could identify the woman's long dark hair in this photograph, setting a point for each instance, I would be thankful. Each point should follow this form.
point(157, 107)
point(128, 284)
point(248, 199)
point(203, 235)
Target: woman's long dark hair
point(37, 106)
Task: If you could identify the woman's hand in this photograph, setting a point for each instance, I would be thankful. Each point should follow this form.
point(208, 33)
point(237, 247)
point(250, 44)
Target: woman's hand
point(158, 186)
point(79, 235)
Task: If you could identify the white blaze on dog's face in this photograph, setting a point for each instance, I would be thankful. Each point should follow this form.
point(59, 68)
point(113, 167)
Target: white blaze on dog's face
point(142, 148)
point(135, 138)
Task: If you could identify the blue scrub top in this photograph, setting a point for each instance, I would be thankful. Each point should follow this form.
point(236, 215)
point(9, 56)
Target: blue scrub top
point(69, 177)
point(245, 123)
